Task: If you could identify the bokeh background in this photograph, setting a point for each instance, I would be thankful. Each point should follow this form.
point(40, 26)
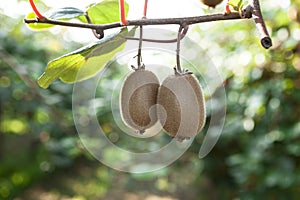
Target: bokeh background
point(256, 157)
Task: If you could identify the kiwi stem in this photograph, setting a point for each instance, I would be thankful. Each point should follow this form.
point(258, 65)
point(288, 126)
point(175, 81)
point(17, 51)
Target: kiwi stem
point(178, 65)
point(139, 55)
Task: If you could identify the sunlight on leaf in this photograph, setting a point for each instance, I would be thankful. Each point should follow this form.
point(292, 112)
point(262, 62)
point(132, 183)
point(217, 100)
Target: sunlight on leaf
point(236, 4)
point(89, 60)
point(104, 12)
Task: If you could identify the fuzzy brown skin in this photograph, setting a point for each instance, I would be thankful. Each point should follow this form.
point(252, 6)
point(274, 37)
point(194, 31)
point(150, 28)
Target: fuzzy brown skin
point(138, 95)
point(211, 3)
point(181, 108)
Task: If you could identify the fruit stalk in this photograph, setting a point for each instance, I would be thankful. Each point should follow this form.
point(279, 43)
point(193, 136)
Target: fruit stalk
point(145, 9)
point(178, 65)
point(122, 12)
point(139, 56)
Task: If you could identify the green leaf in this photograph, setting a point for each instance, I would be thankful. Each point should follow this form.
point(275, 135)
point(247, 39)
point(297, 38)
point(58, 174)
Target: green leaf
point(89, 60)
point(64, 13)
point(236, 4)
point(104, 12)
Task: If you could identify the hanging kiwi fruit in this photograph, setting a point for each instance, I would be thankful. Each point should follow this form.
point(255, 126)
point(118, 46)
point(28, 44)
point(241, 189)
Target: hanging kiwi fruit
point(138, 99)
point(178, 104)
point(138, 95)
point(181, 106)
point(181, 103)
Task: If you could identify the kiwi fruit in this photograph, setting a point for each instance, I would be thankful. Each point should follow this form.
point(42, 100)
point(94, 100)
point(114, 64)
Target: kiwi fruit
point(138, 100)
point(181, 106)
point(211, 3)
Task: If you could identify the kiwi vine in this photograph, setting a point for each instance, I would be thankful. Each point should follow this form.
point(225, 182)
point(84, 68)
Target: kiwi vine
point(179, 98)
point(252, 10)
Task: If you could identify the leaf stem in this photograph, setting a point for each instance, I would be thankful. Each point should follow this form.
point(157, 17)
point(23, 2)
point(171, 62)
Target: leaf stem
point(122, 12)
point(145, 9)
point(35, 10)
point(139, 56)
point(178, 65)
point(227, 8)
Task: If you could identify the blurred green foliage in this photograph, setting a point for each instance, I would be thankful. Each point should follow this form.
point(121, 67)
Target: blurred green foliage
point(257, 156)
point(36, 131)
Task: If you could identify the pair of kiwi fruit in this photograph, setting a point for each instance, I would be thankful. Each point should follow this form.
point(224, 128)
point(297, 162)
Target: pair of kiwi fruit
point(178, 103)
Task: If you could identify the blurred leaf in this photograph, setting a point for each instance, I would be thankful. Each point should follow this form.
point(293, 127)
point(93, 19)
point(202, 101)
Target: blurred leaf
point(64, 13)
point(15, 126)
point(89, 60)
point(236, 4)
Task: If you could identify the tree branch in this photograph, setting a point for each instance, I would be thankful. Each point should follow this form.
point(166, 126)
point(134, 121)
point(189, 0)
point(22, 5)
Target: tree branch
point(253, 9)
point(140, 22)
point(265, 39)
point(183, 34)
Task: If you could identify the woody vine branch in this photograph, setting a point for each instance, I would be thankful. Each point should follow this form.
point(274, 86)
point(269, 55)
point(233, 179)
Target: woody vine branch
point(250, 11)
